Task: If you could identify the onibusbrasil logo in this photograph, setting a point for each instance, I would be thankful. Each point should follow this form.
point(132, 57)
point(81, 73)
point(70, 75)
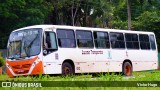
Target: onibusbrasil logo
point(21, 84)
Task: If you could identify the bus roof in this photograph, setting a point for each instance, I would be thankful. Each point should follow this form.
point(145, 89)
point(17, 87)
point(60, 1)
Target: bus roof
point(83, 28)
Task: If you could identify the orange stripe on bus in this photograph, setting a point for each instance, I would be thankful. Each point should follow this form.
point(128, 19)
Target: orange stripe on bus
point(9, 73)
point(38, 69)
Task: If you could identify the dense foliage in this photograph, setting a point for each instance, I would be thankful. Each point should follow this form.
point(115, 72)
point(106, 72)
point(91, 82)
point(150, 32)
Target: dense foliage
point(20, 13)
point(2, 60)
point(145, 14)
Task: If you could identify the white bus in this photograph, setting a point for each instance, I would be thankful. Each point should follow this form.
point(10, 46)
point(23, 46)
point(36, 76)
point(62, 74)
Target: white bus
point(66, 50)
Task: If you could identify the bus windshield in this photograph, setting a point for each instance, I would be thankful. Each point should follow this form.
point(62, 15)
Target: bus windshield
point(24, 43)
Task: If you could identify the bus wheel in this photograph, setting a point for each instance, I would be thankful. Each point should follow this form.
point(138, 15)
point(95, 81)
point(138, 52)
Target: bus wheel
point(67, 69)
point(127, 69)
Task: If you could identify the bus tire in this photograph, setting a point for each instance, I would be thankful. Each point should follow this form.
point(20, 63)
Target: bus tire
point(67, 69)
point(127, 69)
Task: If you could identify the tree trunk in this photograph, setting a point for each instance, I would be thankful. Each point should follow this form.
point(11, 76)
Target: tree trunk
point(72, 15)
point(129, 13)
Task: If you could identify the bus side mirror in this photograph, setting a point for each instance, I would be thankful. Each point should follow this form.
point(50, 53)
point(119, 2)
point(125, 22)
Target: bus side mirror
point(44, 52)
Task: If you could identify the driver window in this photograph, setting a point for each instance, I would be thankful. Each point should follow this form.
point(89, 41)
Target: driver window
point(50, 44)
point(50, 40)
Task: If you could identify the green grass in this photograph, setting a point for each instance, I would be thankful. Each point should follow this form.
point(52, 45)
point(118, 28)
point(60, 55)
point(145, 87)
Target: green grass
point(87, 88)
point(137, 76)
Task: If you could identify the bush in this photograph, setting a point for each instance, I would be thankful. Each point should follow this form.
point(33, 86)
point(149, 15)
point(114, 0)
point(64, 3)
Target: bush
point(2, 60)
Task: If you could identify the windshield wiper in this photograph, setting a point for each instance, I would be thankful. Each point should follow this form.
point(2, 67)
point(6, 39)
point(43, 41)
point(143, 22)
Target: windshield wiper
point(12, 58)
point(20, 58)
point(27, 47)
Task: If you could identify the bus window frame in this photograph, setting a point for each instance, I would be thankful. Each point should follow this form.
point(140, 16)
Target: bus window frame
point(93, 46)
point(143, 41)
point(75, 42)
point(154, 42)
point(104, 39)
point(45, 49)
point(123, 40)
point(132, 41)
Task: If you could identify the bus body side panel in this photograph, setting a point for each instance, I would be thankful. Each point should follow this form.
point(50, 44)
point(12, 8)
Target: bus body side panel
point(86, 59)
point(117, 58)
point(134, 57)
point(102, 61)
point(53, 61)
point(144, 59)
point(51, 64)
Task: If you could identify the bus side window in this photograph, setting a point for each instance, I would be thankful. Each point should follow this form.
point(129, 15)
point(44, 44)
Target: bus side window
point(117, 40)
point(66, 38)
point(132, 41)
point(152, 42)
point(144, 41)
point(84, 39)
point(101, 40)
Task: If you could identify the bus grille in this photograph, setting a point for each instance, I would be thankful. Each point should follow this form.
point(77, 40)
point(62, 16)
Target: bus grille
point(21, 69)
point(21, 66)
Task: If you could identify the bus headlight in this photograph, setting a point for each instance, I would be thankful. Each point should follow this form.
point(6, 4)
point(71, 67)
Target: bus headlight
point(8, 65)
point(35, 62)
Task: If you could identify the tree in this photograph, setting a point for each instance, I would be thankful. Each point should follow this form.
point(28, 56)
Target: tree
point(81, 12)
point(91, 13)
point(149, 21)
point(2, 62)
point(19, 13)
point(74, 8)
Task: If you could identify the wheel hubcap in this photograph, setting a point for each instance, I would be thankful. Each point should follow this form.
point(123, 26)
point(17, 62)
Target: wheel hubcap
point(66, 70)
point(128, 70)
